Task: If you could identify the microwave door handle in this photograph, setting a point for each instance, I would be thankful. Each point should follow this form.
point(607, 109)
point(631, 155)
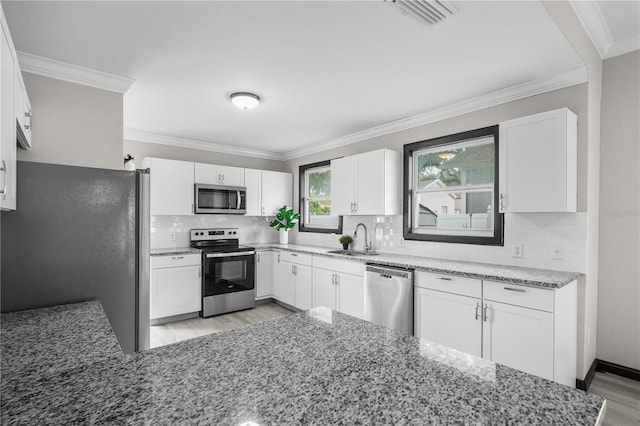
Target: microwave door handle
point(239, 200)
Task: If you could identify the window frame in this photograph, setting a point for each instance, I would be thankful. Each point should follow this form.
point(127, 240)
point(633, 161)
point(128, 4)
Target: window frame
point(408, 213)
point(302, 192)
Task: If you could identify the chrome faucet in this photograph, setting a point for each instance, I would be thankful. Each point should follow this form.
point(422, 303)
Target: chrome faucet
point(367, 247)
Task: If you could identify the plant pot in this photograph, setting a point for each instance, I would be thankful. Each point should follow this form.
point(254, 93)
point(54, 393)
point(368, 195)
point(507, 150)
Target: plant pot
point(284, 236)
point(345, 246)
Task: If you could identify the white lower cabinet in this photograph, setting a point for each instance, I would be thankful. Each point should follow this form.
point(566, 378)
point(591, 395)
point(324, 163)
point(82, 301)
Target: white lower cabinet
point(292, 279)
point(530, 329)
point(339, 285)
point(449, 320)
point(264, 274)
point(175, 285)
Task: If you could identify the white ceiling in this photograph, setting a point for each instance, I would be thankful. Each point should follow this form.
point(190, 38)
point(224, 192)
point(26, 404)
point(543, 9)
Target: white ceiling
point(328, 71)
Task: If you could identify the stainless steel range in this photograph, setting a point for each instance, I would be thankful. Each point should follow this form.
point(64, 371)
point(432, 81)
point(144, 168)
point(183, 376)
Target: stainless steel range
point(228, 271)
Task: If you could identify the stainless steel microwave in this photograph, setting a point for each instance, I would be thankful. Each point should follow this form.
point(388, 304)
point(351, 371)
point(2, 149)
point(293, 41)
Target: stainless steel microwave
point(219, 199)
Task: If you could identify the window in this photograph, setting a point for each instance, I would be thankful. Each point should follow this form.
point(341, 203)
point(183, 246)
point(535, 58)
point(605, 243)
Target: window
point(315, 199)
point(451, 189)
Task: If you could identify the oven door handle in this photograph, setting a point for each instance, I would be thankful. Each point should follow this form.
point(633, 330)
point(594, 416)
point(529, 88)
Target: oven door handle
point(240, 253)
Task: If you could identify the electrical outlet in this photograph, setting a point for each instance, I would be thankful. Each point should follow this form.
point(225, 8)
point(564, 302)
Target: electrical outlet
point(517, 250)
point(557, 251)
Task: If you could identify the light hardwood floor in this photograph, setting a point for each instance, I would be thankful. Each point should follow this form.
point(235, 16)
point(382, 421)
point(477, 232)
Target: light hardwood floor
point(623, 399)
point(622, 394)
point(173, 332)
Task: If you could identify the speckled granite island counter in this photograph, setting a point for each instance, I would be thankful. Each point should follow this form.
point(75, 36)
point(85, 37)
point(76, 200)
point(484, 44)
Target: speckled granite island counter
point(314, 367)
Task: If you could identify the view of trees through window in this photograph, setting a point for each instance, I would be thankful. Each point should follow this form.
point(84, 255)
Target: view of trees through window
point(453, 187)
point(315, 190)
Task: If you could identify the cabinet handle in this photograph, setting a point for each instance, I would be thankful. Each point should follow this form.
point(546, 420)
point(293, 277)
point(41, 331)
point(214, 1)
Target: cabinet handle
point(3, 169)
point(501, 202)
point(484, 315)
point(199, 273)
point(519, 290)
point(294, 255)
point(445, 279)
point(177, 257)
point(258, 257)
point(263, 211)
point(477, 307)
point(355, 207)
point(333, 279)
point(337, 279)
point(278, 257)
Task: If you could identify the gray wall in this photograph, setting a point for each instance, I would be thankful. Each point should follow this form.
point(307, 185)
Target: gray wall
point(139, 150)
point(73, 124)
point(619, 269)
point(72, 239)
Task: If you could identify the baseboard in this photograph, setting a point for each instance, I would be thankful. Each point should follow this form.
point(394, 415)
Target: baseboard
point(606, 367)
point(264, 301)
point(584, 384)
point(617, 369)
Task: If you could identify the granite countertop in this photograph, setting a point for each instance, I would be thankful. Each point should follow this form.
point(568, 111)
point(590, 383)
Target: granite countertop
point(174, 251)
point(314, 367)
point(485, 271)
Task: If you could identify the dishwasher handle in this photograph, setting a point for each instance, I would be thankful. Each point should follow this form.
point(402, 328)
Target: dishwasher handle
point(389, 272)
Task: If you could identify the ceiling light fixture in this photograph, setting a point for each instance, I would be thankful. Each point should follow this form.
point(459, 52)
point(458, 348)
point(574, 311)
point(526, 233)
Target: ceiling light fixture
point(245, 100)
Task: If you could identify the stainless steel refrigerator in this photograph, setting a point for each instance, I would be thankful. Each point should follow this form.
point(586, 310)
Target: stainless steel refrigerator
point(80, 234)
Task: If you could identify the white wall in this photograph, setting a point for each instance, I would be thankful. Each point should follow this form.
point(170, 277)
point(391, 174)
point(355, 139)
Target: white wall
point(619, 266)
point(74, 125)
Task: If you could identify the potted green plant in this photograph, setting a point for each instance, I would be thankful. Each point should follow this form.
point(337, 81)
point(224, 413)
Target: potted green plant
point(345, 240)
point(285, 220)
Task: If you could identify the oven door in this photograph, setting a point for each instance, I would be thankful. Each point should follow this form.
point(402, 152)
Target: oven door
point(228, 273)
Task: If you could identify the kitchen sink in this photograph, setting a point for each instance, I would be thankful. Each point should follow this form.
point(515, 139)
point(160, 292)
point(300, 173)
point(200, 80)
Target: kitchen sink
point(352, 253)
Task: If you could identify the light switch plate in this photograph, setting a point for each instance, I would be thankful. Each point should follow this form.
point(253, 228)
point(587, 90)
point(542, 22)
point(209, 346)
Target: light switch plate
point(517, 250)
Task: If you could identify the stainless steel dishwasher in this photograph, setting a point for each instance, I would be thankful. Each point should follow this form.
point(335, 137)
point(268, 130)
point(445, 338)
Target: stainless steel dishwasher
point(388, 297)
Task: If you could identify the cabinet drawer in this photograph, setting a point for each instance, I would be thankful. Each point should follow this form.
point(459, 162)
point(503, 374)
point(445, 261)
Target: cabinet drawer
point(450, 283)
point(345, 266)
point(518, 295)
point(299, 258)
point(174, 260)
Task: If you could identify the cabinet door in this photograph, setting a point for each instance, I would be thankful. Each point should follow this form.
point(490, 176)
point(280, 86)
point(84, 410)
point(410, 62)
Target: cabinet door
point(304, 288)
point(351, 294)
point(520, 338)
point(538, 163)
point(343, 178)
point(324, 288)
point(284, 283)
point(171, 186)
point(370, 183)
point(8, 150)
point(214, 174)
point(449, 320)
point(277, 191)
point(264, 274)
point(253, 182)
point(175, 291)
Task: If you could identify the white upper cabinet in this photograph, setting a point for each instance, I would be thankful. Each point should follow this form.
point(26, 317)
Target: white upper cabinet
point(8, 149)
point(267, 191)
point(367, 184)
point(538, 163)
point(213, 174)
point(172, 186)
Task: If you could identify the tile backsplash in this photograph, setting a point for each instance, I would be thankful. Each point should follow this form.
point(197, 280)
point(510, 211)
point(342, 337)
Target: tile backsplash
point(539, 234)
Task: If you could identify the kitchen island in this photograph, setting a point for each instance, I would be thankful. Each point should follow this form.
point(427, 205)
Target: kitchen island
point(317, 366)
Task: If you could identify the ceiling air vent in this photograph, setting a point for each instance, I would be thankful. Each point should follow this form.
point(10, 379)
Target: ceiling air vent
point(429, 12)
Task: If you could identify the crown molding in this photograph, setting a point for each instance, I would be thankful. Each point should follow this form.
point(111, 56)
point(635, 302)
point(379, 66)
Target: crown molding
point(622, 46)
point(520, 91)
point(73, 73)
point(594, 24)
point(149, 137)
